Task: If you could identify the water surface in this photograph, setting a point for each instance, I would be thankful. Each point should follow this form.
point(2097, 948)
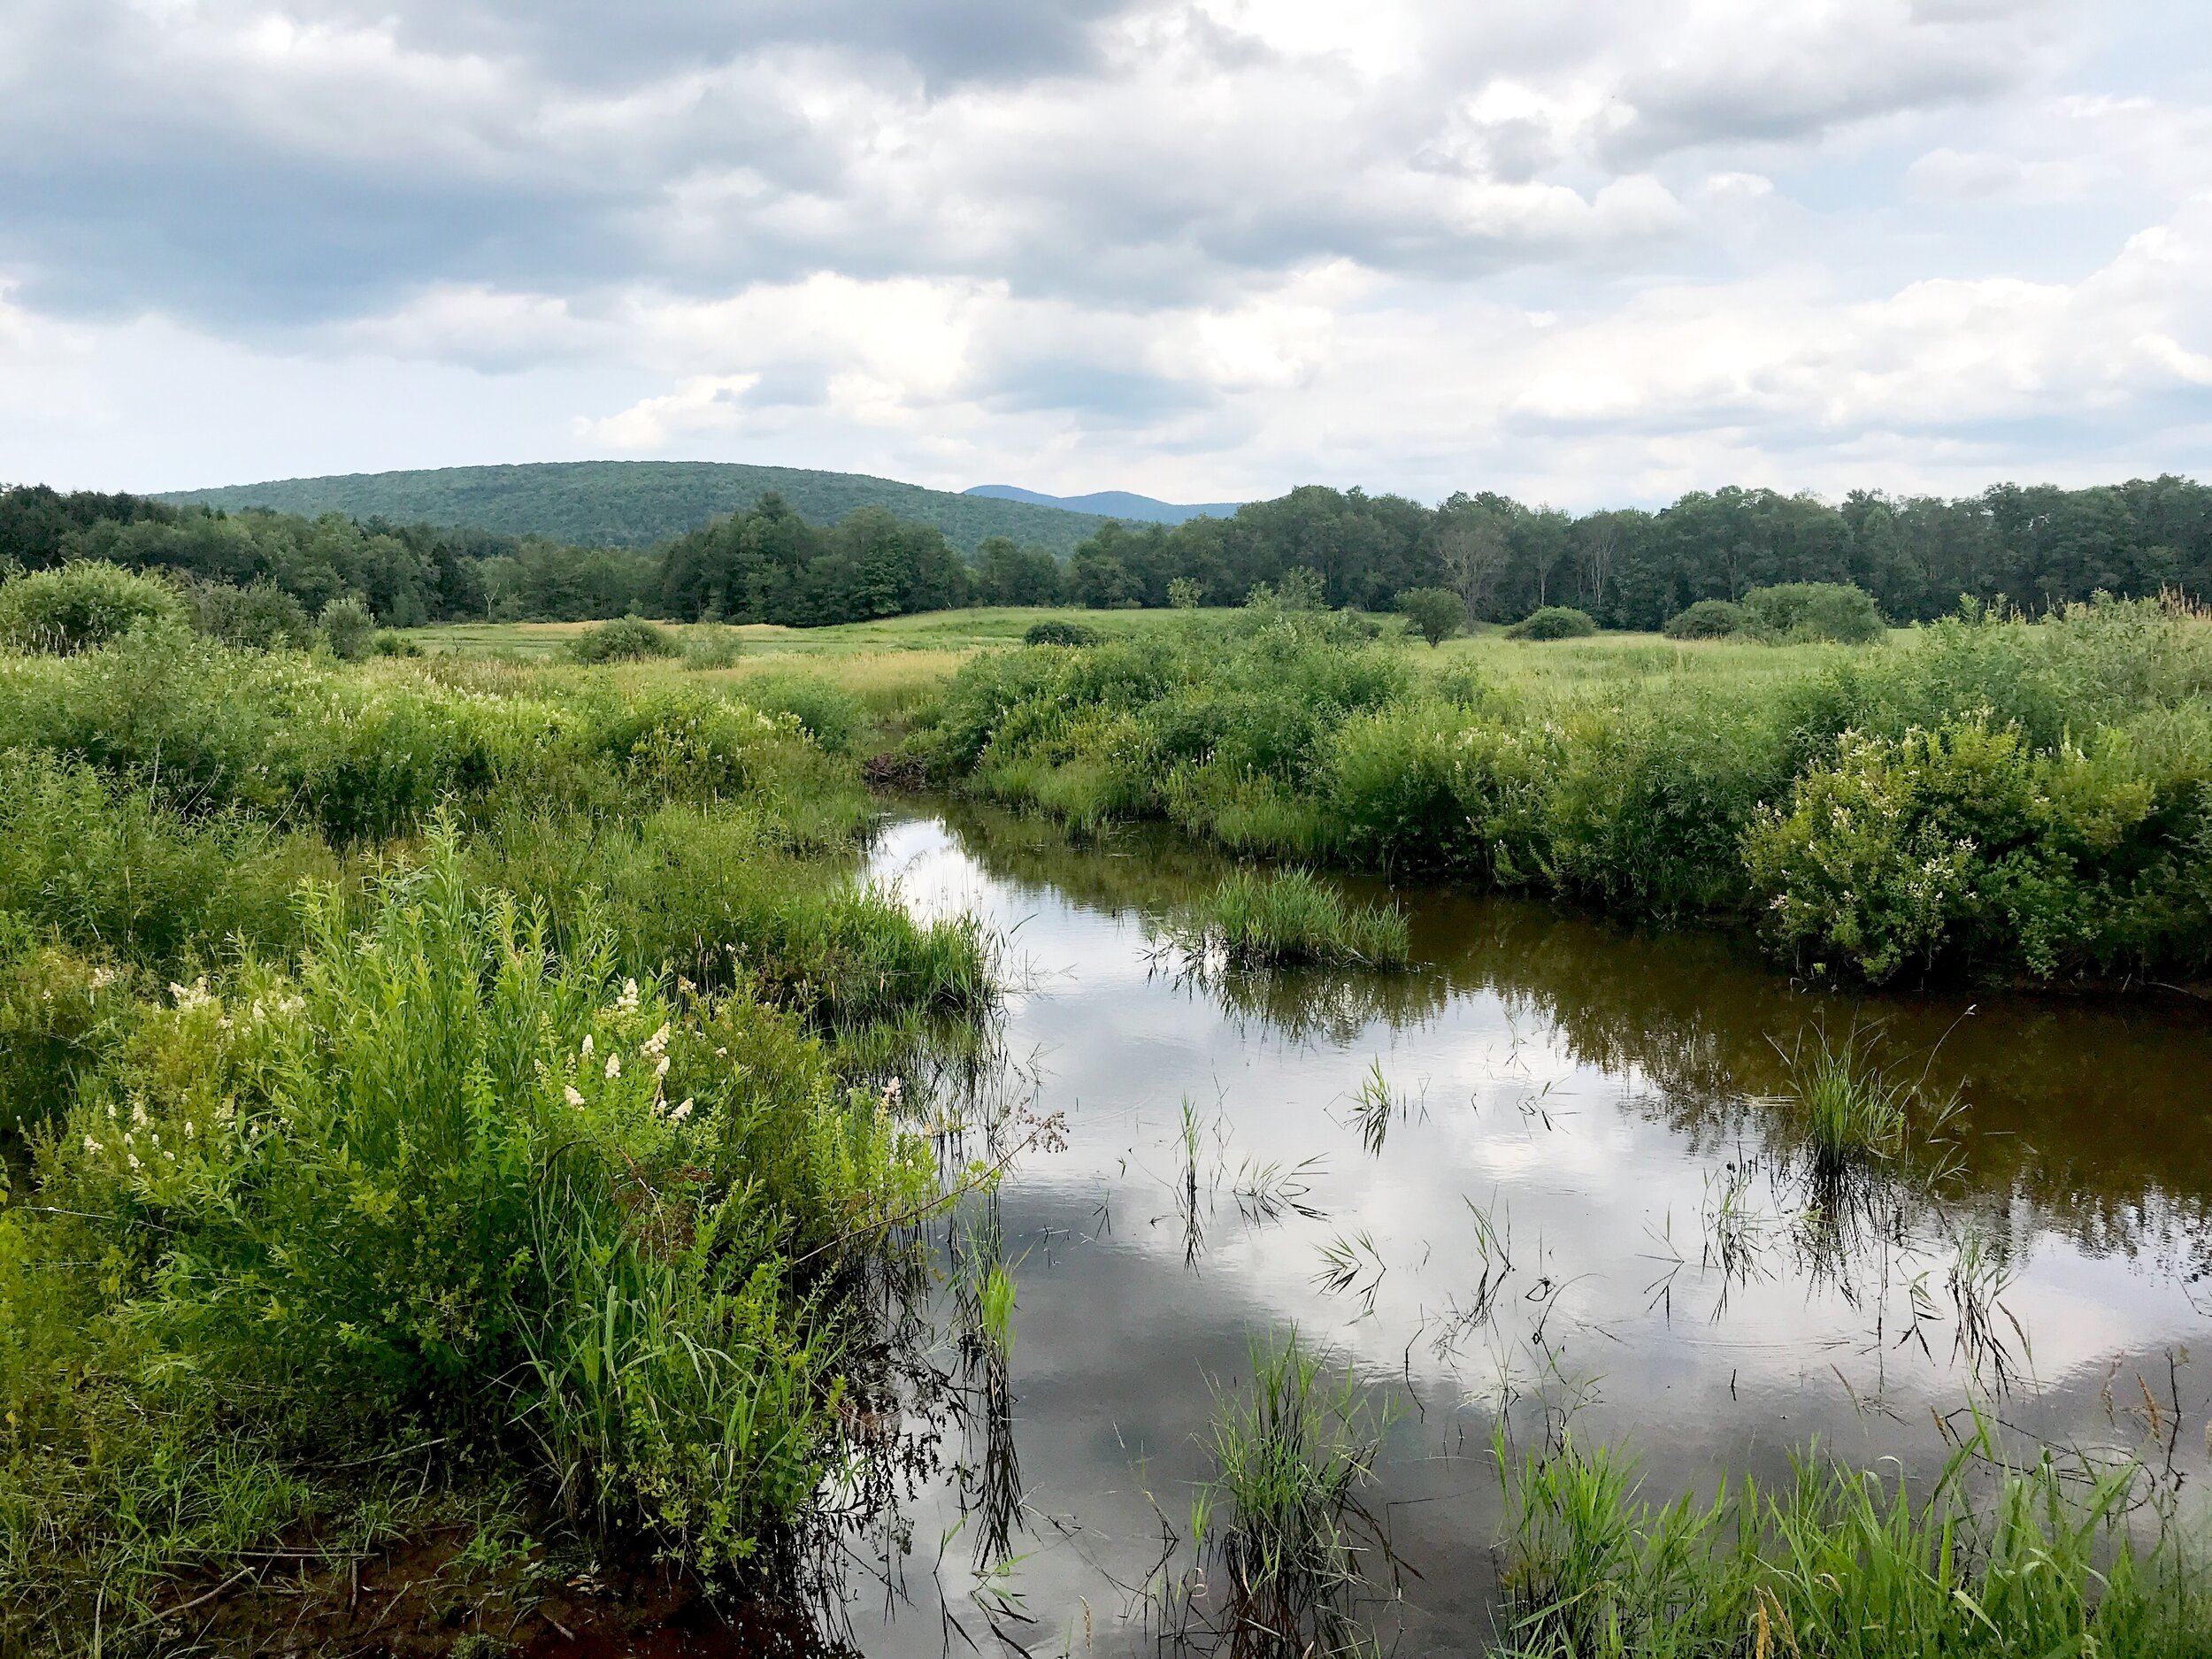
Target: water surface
point(1585, 1203)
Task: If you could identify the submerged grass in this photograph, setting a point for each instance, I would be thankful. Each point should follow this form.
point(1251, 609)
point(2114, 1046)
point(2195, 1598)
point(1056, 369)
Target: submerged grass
point(1290, 918)
point(1838, 1563)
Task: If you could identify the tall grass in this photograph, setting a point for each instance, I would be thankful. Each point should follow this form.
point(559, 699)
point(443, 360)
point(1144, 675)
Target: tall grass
point(1280, 918)
point(1294, 1552)
point(443, 1184)
point(436, 1084)
point(1848, 1106)
point(2040, 1560)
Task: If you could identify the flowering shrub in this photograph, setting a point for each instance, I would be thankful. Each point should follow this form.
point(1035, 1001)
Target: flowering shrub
point(1963, 847)
point(441, 1177)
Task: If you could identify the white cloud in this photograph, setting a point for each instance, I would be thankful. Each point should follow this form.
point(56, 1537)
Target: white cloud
point(1592, 252)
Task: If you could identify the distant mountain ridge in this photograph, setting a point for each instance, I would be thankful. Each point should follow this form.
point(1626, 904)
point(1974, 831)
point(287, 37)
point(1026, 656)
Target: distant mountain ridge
point(1111, 503)
point(636, 504)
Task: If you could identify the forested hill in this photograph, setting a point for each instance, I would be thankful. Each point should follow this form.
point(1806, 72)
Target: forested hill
point(638, 503)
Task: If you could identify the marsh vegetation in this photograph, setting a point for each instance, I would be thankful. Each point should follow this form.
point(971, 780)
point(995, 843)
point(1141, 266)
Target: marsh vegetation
point(535, 1104)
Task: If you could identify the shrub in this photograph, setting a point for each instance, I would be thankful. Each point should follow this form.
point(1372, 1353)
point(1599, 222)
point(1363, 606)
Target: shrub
point(392, 642)
point(81, 604)
point(624, 639)
point(348, 628)
point(443, 1183)
point(1961, 848)
point(1552, 622)
point(710, 645)
point(1707, 620)
point(1184, 594)
point(1053, 631)
point(1804, 611)
point(259, 618)
point(832, 716)
point(1435, 613)
point(1300, 589)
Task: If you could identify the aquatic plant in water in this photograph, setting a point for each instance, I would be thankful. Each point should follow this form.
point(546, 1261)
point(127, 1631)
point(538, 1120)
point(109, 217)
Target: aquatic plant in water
point(1277, 918)
point(1289, 1551)
point(2048, 1559)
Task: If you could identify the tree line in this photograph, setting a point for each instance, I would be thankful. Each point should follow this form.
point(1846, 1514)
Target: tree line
point(2029, 547)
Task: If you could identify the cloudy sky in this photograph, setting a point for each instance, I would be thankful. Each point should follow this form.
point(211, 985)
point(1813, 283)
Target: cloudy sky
point(1588, 252)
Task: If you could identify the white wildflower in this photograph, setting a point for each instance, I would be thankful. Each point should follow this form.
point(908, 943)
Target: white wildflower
point(660, 1066)
point(571, 1095)
point(90, 1145)
point(681, 1110)
point(627, 1001)
point(588, 1045)
point(658, 1041)
point(614, 1066)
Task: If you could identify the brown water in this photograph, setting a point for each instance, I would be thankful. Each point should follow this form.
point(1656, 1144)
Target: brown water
point(1609, 1102)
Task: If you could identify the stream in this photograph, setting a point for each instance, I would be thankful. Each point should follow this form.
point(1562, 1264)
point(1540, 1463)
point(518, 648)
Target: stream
point(1548, 1178)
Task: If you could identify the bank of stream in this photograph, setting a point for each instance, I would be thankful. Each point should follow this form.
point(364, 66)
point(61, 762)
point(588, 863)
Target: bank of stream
point(1547, 1178)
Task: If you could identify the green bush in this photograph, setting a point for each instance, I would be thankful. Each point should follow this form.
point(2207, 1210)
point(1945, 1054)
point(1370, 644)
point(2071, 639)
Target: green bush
point(1434, 613)
point(259, 618)
point(832, 716)
point(624, 639)
point(1800, 612)
point(81, 604)
point(1552, 622)
point(1963, 848)
point(1053, 631)
point(710, 645)
point(348, 628)
point(1812, 801)
point(1707, 620)
point(365, 754)
point(392, 642)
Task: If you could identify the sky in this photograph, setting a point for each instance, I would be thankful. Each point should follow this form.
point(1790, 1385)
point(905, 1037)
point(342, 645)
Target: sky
point(1586, 252)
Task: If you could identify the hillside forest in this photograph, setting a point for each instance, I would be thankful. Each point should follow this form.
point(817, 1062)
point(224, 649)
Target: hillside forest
point(2026, 547)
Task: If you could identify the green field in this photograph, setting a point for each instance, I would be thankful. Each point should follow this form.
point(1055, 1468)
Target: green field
point(959, 631)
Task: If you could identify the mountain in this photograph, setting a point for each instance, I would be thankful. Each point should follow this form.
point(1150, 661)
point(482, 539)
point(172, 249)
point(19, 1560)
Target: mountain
point(635, 503)
point(1111, 503)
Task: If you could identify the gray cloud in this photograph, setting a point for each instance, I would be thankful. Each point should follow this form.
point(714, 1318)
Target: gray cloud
point(1280, 236)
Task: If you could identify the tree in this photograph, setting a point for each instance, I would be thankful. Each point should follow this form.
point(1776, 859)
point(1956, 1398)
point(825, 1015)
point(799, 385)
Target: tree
point(348, 628)
point(1009, 574)
point(1436, 613)
point(1471, 544)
